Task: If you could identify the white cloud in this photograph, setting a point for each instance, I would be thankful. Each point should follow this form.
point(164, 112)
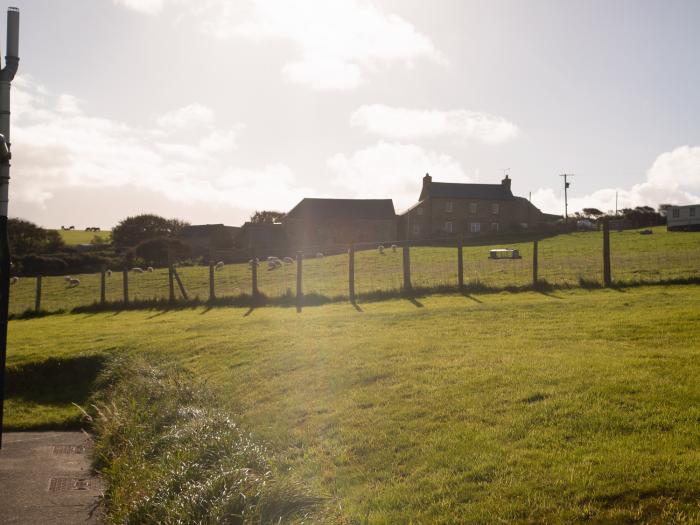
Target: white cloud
point(674, 178)
point(391, 170)
point(56, 145)
point(339, 41)
point(402, 123)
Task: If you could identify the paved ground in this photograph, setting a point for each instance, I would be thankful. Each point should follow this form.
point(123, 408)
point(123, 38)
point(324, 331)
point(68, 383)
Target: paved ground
point(45, 478)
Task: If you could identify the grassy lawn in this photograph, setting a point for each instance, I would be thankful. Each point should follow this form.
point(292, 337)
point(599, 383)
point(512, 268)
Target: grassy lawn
point(569, 406)
point(563, 259)
point(75, 237)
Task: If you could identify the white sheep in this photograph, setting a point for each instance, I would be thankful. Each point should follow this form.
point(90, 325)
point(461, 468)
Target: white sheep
point(109, 273)
point(380, 248)
point(136, 269)
point(14, 280)
point(67, 278)
point(219, 265)
point(73, 282)
point(272, 265)
point(319, 255)
point(149, 269)
point(393, 247)
point(253, 262)
point(288, 260)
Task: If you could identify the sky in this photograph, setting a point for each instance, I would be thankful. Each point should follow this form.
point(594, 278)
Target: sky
point(207, 111)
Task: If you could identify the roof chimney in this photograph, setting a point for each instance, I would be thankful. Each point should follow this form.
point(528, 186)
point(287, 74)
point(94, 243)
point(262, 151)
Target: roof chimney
point(427, 180)
point(506, 183)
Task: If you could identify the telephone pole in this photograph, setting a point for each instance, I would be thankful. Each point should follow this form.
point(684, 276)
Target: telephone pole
point(566, 196)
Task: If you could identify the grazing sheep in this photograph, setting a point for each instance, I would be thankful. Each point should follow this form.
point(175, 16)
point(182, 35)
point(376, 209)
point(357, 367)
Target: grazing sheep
point(319, 255)
point(380, 248)
point(136, 269)
point(274, 264)
point(14, 280)
point(219, 265)
point(67, 278)
point(288, 260)
point(109, 273)
point(149, 269)
point(253, 262)
point(393, 247)
point(73, 282)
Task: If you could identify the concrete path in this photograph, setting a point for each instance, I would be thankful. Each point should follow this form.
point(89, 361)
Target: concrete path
point(45, 478)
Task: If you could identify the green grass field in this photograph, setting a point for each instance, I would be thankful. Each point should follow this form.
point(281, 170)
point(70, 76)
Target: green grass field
point(75, 237)
point(558, 407)
point(564, 259)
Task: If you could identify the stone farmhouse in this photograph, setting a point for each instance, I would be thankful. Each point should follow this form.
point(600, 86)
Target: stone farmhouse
point(447, 209)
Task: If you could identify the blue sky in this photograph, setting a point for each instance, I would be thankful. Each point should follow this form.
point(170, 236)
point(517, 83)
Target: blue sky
point(207, 111)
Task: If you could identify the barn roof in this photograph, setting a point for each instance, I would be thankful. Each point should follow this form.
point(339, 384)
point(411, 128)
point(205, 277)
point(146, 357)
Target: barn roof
point(345, 209)
point(455, 190)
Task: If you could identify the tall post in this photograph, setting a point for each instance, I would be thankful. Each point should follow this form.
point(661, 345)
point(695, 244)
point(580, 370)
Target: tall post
point(460, 263)
point(6, 76)
point(103, 287)
point(607, 277)
point(535, 263)
point(212, 291)
point(566, 196)
point(171, 284)
point(351, 273)
point(300, 293)
point(37, 300)
point(125, 277)
point(406, 268)
point(254, 278)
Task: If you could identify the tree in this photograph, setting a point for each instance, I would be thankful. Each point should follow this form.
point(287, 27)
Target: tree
point(134, 230)
point(267, 217)
point(26, 237)
point(592, 212)
point(160, 251)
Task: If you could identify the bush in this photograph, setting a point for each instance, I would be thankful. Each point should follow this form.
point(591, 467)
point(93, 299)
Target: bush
point(159, 431)
point(158, 252)
point(62, 263)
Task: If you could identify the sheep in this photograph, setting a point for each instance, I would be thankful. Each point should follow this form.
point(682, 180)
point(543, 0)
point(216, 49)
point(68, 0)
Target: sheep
point(380, 248)
point(67, 278)
point(149, 269)
point(253, 262)
point(219, 265)
point(393, 247)
point(319, 255)
point(14, 280)
point(73, 283)
point(272, 265)
point(288, 260)
point(136, 269)
point(109, 273)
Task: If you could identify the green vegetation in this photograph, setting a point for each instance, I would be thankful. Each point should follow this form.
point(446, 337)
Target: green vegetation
point(569, 259)
point(75, 237)
point(567, 406)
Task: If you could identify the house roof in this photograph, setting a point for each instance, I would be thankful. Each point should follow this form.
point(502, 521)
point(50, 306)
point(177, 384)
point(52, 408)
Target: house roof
point(455, 190)
point(345, 209)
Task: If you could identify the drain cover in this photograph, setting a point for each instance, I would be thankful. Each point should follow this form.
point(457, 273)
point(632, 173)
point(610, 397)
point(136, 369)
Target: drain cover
point(69, 449)
point(63, 484)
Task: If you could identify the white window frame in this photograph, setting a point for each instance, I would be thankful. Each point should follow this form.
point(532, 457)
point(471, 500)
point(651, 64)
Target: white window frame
point(676, 213)
point(448, 226)
point(691, 212)
point(448, 207)
point(495, 227)
point(475, 227)
point(495, 208)
point(473, 208)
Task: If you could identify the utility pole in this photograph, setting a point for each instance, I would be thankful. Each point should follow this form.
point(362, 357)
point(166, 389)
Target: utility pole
point(566, 196)
point(615, 203)
point(6, 75)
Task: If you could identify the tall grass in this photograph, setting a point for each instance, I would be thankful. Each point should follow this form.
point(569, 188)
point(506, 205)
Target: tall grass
point(171, 457)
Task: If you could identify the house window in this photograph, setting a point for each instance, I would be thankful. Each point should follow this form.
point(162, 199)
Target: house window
point(692, 212)
point(472, 207)
point(474, 227)
point(495, 208)
point(416, 229)
point(448, 227)
point(419, 211)
point(494, 226)
point(676, 213)
point(448, 206)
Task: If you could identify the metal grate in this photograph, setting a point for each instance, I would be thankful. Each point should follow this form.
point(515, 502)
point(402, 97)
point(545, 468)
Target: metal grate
point(69, 449)
point(64, 484)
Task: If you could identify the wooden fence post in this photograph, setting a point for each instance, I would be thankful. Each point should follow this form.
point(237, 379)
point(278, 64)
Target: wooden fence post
point(103, 287)
point(171, 284)
point(460, 263)
point(212, 291)
point(351, 273)
point(180, 285)
point(37, 300)
point(535, 263)
point(406, 268)
point(254, 278)
point(607, 278)
point(125, 277)
point(300, 293)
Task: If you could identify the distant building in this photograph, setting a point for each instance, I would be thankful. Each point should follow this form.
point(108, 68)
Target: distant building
point(683, 218)
point(447, 209)
point(326, 222)
point(207, 238)
point(263, 239)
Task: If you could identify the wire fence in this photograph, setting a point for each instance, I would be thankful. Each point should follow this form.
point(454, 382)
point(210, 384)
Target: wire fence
point(373, 269)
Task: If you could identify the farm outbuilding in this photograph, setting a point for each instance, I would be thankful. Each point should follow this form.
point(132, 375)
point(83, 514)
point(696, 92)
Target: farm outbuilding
point(683, 218)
